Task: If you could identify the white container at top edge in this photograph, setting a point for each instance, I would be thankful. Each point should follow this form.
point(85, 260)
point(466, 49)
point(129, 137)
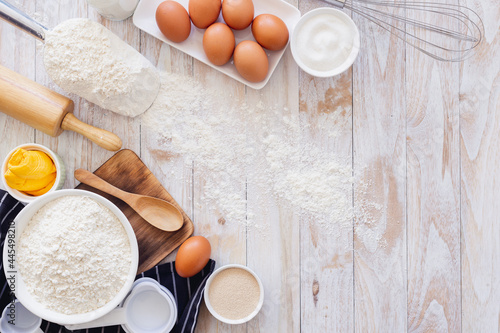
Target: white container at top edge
point(325, 42)
point(58, 162)
point(206, 296)
point(21, 291)
point(114, 10)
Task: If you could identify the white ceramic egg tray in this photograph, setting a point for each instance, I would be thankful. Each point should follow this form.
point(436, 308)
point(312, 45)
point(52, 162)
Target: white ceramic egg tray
point(144, 19)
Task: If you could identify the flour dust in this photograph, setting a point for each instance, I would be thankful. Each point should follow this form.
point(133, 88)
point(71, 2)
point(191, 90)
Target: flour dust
point(251, 151)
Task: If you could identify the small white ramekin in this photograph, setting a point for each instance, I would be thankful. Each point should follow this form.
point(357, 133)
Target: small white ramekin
point(226, 320)
point(347, 62)
point(60, 169)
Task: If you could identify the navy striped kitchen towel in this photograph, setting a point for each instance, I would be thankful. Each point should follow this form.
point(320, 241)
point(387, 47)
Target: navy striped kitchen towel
point(188, 293)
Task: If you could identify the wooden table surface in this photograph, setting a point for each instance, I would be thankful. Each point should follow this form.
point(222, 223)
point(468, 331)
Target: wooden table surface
point(424, 135)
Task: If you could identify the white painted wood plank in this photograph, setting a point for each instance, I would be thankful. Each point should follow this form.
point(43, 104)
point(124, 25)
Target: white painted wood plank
point(327, 299)
point(379, 184)
point(433, 190)
point(480, 162)
point(327, 302)
point(273, 248)
point(227, 236)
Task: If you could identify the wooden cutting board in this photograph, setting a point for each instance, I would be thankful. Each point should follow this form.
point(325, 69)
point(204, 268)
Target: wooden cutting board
point(126, 171)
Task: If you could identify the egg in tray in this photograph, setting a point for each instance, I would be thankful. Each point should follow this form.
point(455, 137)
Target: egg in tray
point(249, 57)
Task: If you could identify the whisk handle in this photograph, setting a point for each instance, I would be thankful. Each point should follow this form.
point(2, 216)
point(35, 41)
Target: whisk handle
point(19, 19)
point(337, 3)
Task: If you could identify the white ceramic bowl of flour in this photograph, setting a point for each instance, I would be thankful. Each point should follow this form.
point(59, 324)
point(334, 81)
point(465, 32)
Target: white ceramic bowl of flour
point(20, 287)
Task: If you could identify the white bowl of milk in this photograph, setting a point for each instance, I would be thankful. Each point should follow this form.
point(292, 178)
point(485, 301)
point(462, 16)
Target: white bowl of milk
point(325, 42)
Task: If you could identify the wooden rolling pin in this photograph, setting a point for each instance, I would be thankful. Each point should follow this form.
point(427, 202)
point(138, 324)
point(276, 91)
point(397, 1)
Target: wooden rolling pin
point(46, 110)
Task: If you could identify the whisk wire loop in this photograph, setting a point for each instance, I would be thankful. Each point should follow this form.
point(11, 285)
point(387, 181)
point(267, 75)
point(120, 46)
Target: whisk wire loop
point(446, 32)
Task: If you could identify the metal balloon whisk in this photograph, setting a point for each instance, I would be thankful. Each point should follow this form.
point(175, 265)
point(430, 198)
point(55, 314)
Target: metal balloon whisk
point(446, 32)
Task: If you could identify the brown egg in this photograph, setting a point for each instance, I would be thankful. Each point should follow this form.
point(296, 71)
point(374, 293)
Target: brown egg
point(218, 43)
point(270, 32)
point(192, 256)
point(238, 14)
point(251, 61)
point(204, 12)
point(173, 21)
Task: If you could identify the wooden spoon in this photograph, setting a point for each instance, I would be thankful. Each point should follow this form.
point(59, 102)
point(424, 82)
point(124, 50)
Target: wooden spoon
point(158, 212)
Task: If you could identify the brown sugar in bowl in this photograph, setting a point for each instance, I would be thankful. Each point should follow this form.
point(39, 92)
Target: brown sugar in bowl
point(234, 294)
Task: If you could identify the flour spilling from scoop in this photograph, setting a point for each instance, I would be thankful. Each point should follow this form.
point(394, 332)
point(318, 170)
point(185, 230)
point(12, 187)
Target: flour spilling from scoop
point(83, 57)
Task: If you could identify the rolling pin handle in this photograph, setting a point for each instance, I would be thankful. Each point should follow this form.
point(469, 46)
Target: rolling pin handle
point(102, 138)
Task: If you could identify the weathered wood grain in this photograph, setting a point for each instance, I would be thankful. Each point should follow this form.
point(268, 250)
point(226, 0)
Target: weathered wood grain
point(480, 160)
point(327, 302)
point(379, 139)
point(277, 238)
point(433, 190)
point(327, 298)
point(227, 236)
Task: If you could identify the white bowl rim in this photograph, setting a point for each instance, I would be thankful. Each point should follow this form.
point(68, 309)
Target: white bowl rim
point(147, 281)
point(349, 60)
point(226, 320)
point(35, 307)
point(18, 195)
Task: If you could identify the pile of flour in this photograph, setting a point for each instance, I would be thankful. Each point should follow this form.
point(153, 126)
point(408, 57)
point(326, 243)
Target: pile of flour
point(74, 256)
point(83, 57)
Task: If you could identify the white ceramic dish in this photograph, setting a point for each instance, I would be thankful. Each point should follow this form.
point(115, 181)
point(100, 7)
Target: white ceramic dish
point(140, 318)
point(144, 19)
point(334, 13)
point(226, 320)
point(149, 307)
point(60, 176)
point(24, 321)
point(21, 292)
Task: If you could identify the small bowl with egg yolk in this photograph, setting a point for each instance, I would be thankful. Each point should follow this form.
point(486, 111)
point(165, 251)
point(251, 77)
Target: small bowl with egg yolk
point(31, 170)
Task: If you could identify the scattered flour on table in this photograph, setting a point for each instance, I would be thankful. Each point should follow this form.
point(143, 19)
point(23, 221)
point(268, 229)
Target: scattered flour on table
point(259, 151)
point(74, 255)
point(83, 57)
point(369, 224)
point(25, 8)
point(245, 153)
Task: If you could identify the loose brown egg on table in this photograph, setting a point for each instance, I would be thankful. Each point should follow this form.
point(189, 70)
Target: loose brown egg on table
point(192, 256)
point(204, 12)
point(173, 21)
point(238, 14)
point(270, 32)
point(251, 61)
point(218, 43)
